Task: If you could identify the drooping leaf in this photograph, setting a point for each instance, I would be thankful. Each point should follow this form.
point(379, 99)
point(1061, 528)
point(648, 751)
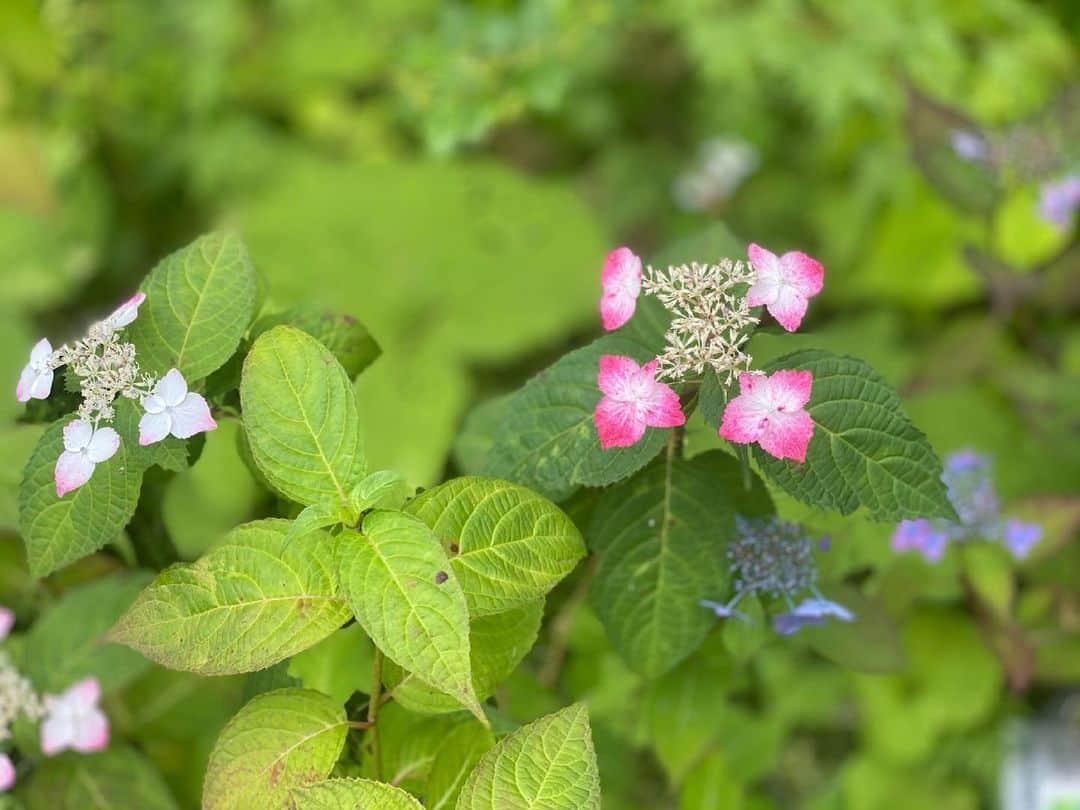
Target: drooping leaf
point(864, 452)
point(507, 545)
point(249, 603)
point(548, 440)
point(454, 761)
point(278, 741)
point(408, 743)
point(351, 794)
point(199, 302)
point(67, 642)
point(348, 339)
point(116, 778)
point(300, 417)
point(58, 531)
point(403, 591)
point(497, 644)
point(661, 538)
point(548, 764)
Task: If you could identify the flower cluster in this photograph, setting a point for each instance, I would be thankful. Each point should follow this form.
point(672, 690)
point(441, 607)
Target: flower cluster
point(968, 479)
point(106, 367)
point(712, 318)
point(770, 557)
point(71, 720)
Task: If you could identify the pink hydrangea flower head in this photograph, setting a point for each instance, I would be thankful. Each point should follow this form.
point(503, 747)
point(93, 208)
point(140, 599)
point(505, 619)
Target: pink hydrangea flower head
point(7, 621)
point(126, 312)
point(172, 409)
point(633, 400)
point(7, 773)
point(621, 281)
point(84, 449)
point(770, 410)
point(36, 379)
point(784, 285)
point(74, 720)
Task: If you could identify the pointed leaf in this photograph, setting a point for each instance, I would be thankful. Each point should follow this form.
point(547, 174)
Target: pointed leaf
point(199, 302)
point(508, 545)
point(352, 794)
point(864, 452)
point(403, 591)
point(382, 489)
point(300, 418)
point(249, 603)
point(278, 741)
point(549, 764)
point(68, 643)
point(58, 531)
point(497, 645)
point(661, 539)
point(454, 761)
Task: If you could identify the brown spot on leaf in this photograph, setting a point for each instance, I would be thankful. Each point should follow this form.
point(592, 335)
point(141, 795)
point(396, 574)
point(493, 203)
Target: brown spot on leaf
point(275, 772)
point(454, 548)
point(441, 577)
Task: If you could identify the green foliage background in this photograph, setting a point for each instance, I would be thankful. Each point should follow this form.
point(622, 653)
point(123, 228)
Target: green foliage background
point(452, 174)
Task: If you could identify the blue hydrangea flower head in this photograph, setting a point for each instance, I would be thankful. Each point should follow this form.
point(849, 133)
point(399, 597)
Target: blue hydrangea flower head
point(968, 478)
point(770, 557)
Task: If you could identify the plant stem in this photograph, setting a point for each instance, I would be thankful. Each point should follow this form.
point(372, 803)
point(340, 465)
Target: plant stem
point(373, 712)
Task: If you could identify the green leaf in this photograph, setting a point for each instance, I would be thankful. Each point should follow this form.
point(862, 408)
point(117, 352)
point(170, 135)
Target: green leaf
point(408, 743)
point(58, 531)
point(871, 643)
point(315, 517)
point(351, 794)
point(682, 710)
point(300, 418)
point(547, 764)
point(864, 452)
point(497, 645)
point(278, 741)
point(340, 664)
point(382, 489)
point(454, 761)
point(348, 339)
point(548, 441)
point(249, 603)
point(507, 545)
point(67, 643)
point(118, 777)
point(660, 538)
point(404, 592)
point(199, 303)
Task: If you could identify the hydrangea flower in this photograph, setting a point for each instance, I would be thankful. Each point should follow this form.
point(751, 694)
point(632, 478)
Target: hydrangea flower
point(633, 400)
point(126, 313)
point(84, 449)
point(770, 410)
point(1059, 199)
point(969, 145)
point(74, 720)
point(7, 621)
point(784, 285)
point(172, 409)
point(967, 478)
point(7, 773)
point(774, 558)
point(36, 379)
point(621, 281)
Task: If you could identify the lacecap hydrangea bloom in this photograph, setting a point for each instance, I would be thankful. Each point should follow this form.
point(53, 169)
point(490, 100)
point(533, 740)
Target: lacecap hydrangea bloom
point(73, 720)
point(774, 558)
point(106, 367)
point(712, 318)
point(968, 480)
